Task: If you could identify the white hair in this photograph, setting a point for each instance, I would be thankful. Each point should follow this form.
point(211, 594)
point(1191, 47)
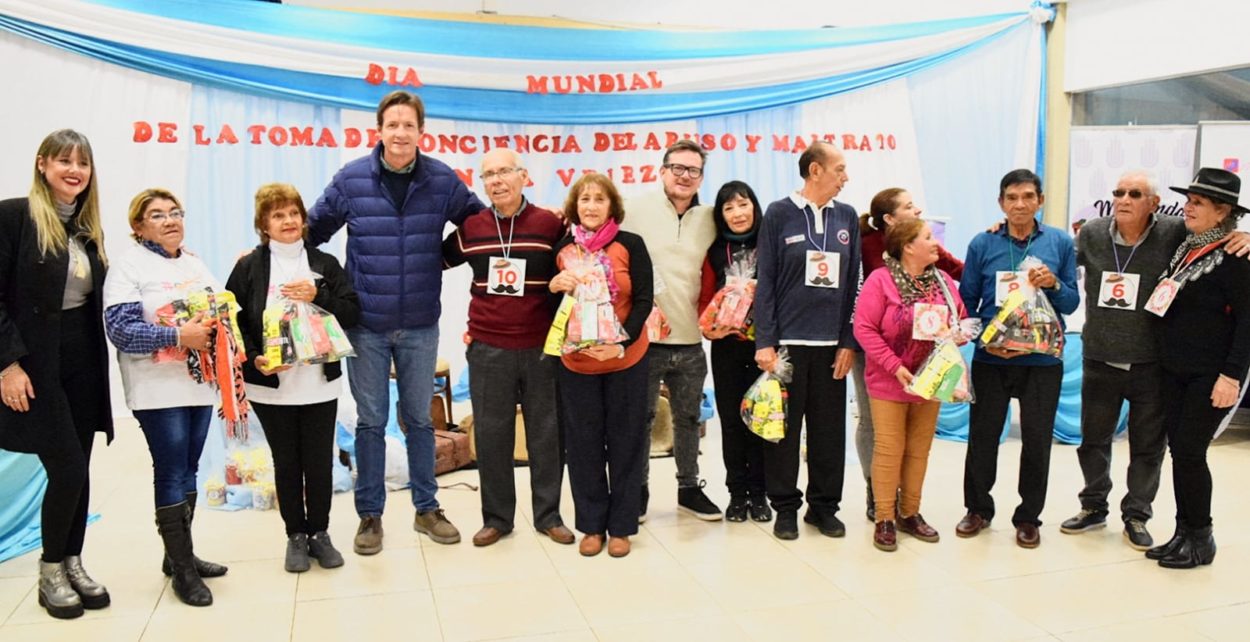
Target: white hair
point(1152, 181)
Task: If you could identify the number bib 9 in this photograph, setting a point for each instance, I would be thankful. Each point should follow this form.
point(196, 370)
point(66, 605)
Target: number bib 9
point(506, 277)
point(1118, 291)
point(822, 269)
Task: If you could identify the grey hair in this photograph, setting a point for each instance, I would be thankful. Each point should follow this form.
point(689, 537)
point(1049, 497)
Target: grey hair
point(1152, 181)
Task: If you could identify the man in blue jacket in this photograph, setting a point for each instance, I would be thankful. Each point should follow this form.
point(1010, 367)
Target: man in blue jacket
point(395, 203)
point(993, 264)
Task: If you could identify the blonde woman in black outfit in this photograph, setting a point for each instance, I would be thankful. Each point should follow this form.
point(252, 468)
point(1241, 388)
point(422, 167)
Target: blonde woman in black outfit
point(1205, 350)
point(53, 361)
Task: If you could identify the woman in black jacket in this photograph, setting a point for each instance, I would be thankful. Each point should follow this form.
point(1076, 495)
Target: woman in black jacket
point(296, 405)
point(1204, 299)
point(54, 376)
point(737, 213)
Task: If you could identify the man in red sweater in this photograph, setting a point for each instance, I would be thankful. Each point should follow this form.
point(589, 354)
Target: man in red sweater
point(509, 247)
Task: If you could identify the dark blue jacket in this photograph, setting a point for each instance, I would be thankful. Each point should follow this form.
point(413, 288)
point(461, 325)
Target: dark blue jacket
point(394, 250)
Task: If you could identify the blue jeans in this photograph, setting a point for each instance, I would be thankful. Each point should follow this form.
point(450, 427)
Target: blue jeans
point(175, 438)
point(415, 353)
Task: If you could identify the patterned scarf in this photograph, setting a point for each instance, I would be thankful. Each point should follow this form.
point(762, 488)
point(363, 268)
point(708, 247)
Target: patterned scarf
point(911, 288)
point(1193, 242)
point(594, 242)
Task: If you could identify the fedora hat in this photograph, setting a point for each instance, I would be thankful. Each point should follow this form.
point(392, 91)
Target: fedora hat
point(1218, 185)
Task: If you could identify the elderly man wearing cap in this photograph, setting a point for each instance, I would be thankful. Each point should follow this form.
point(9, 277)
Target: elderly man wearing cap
point(1123, 255)
point(1204, 300)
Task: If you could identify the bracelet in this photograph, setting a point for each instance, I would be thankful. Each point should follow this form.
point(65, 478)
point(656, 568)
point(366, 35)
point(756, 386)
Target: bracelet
point(622, 354)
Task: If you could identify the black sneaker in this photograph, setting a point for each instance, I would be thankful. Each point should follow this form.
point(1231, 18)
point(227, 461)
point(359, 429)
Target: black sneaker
point(694, 502)
point(737, 509)
point(787, 526)
point(644, 496)
point(828, 523)
point(760, 512)
point(296, 554)
point(1086, 520)
point(322, 549)
point(1137, 535)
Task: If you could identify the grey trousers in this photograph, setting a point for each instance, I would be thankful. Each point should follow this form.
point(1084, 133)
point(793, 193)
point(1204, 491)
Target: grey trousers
point(499, 379)
point(864, 433)
point(683, 368)
point(1104, 390)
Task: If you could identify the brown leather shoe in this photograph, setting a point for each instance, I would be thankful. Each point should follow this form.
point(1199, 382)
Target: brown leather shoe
point(560, 534)
point(487, 536)
point(591, 545)
point(918, 528)
point(884, 537)
point(970, 525)
point(618, 546)
point(1027, 536)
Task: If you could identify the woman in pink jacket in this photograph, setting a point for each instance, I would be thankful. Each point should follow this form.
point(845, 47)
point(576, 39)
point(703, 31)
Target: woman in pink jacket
point(901, 309)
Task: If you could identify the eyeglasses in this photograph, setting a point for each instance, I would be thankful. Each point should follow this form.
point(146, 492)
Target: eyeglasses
point(1132, 193)
point(682, 170)
point(500, 173)
point(172, 215)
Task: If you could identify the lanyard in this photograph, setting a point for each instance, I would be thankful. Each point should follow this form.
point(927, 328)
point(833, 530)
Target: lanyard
point(824, 235)
point(506, 249)
point(1011, 249)
point(1116, 253)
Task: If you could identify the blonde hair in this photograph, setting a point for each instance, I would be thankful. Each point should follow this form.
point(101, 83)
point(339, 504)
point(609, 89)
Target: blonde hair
point(49, 230)
point(140, 203)
point(270, 197)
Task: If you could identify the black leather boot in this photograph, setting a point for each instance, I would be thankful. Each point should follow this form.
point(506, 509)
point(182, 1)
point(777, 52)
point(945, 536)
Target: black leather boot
point(1198, 549)
point(203, 568)
point(1163, 550)
point(172, 525)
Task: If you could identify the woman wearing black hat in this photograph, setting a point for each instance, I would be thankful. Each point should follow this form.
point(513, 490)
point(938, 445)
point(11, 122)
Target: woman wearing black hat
point(1204, 300)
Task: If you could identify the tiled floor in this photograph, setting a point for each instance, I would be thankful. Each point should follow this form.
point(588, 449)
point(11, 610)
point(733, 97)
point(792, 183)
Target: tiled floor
point(685, 579)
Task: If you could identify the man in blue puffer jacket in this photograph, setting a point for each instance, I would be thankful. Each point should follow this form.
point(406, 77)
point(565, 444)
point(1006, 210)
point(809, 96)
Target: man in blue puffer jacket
point(395, 203)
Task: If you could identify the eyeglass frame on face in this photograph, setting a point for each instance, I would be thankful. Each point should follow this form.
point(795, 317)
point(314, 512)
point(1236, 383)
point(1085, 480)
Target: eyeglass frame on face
point(682, 170)
point(501, 173)
point(172, 215)
point(1133, 194)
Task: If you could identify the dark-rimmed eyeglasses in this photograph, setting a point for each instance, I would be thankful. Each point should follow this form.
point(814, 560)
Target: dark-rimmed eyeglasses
point(1131, 193)
point(502, 172)
point(682, 170)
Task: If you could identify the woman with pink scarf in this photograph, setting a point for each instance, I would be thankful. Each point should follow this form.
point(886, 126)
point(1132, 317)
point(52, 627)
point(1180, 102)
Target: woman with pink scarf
point(603, 386)
point(902, 308)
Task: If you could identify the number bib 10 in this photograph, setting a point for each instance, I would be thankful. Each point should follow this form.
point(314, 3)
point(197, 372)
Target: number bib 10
point(506, 277)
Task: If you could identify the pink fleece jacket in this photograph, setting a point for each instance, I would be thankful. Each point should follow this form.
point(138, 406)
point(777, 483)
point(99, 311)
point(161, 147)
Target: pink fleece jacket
point(883, 328)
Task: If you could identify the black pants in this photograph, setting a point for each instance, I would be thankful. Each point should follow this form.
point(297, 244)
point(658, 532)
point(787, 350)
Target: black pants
point(1037, 388)
point(605, 416)
point(64, 511)
point(733, 371)
point(1104, 389)
point(302, 441)
point(1191, 422)
point(499, 379)
point(818, 398)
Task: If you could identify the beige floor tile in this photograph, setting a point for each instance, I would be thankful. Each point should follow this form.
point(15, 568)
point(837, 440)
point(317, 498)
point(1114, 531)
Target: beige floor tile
point(255, 582)
point(744, 583)
point(858, 569)
point(646, 555)
point(514, 558)
point(956, 612)
point(616, 598)
point(13, 590)
point(509, 609)
point(700, 543)
point(391, 571)
point(1091, 596)
point(120, 629)
point(24, 565)
point(1226, 624)
point(701, 628)
point(408, 615)
point(1140, 631)
point(253, 621)
point(803, 622)
point(581, 635)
